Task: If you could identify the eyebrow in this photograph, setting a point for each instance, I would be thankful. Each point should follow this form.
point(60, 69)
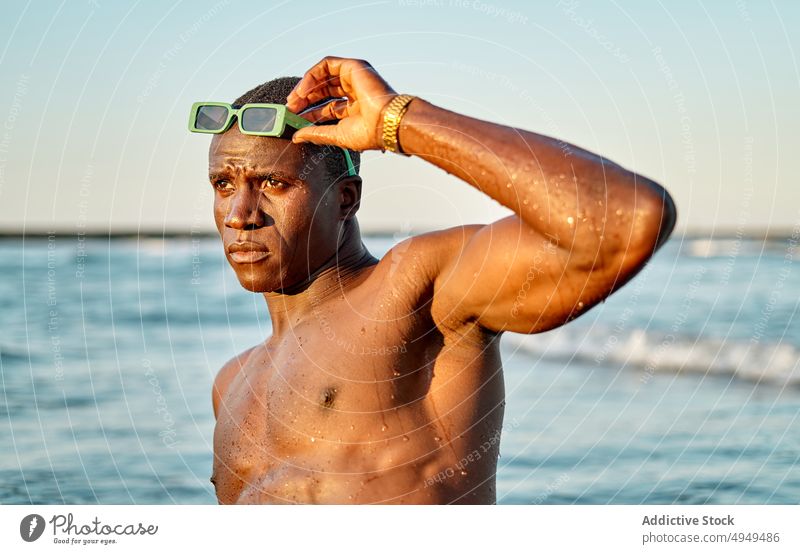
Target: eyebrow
point(215, 174)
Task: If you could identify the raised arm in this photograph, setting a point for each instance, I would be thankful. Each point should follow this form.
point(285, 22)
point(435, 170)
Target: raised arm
point(582, 227)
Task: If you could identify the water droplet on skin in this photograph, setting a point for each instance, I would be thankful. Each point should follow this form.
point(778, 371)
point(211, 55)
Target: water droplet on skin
point(570, 220)
point(580, 305)
point(383, 428)
point(352, 427)
point(363, 330)
point(437, 439)
point(313, 439)
point(405, 438)
point(619, 212)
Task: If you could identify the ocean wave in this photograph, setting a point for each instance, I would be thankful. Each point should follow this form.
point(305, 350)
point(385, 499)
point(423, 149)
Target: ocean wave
point(12, 354)
point(732, 247)
point(653, 352)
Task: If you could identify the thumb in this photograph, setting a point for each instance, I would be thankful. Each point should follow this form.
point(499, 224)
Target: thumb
point(317, 134)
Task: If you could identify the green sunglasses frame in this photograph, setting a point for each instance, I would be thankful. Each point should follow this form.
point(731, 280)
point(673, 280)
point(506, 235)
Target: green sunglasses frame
point(283, 117)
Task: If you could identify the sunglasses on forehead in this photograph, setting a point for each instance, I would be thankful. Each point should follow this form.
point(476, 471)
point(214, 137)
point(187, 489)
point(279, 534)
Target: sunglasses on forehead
point(262, 120)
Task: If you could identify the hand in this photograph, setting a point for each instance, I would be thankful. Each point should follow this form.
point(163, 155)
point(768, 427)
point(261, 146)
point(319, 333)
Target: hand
point(361, 95)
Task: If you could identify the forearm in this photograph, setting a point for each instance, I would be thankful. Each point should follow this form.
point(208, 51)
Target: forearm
point(578, 199)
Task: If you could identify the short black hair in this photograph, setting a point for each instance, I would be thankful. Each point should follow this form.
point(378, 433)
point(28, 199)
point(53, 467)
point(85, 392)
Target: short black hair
point(275, 92)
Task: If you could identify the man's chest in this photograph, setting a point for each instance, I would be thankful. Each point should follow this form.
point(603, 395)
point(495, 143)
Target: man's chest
point(334, 384)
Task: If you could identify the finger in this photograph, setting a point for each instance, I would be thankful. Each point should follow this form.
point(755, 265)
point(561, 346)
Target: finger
point(335, 73)
point(331, 81)
point(335, 109)
point(324, 71)
point(317, 135)
point(322, 93)
point(296, 102)
point(320, 73)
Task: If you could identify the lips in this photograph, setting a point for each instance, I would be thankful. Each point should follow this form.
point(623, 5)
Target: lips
point(247, 252)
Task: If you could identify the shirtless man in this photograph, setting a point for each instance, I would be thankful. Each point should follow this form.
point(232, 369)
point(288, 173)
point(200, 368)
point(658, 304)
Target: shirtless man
point(382, 380)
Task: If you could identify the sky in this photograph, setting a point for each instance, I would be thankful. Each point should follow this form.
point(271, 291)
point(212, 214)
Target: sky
point(703, 97)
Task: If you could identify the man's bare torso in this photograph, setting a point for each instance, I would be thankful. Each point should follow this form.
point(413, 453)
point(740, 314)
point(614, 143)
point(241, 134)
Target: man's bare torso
point(388, 387)
point(371, 398)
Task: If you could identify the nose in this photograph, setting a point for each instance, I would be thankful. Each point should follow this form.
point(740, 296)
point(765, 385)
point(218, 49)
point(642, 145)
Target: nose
point(245, 213)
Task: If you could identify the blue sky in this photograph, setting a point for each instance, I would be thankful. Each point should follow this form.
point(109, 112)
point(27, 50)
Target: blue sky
point(701, 96)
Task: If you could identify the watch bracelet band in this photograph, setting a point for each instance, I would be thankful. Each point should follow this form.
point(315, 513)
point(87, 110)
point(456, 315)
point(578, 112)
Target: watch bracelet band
point(392, 115)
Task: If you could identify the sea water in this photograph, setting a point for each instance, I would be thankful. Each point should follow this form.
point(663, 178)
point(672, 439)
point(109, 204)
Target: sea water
point(683, 387)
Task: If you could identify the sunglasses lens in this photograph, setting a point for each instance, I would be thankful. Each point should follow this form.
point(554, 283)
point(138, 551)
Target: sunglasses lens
point(259, 120)
point(211, 118)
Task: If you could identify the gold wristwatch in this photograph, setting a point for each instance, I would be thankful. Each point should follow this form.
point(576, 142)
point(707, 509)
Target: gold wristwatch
point(392, 115)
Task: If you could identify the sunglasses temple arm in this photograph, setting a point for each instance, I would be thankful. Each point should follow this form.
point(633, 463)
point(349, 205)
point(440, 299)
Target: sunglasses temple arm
point(298, 121)
point(351, 169)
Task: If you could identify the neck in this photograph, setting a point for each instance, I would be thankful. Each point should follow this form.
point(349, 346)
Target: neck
point(334, 276)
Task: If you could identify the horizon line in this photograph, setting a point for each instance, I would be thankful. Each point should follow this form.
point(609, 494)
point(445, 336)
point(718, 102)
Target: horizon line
point(722, 233)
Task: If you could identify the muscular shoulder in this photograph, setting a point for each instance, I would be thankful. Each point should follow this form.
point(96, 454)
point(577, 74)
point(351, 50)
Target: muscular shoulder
point(428, 254)
point(416, 267)
point(225, 376)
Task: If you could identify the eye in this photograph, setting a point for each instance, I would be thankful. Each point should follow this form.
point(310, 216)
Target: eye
point(272, 183)
point(223, 185)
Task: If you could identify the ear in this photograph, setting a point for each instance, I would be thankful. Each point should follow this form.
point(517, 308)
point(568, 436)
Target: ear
point(349, 196)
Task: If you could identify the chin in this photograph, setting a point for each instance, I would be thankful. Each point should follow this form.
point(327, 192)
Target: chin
point(257, 283)
point(256, 286)
point(256, 277)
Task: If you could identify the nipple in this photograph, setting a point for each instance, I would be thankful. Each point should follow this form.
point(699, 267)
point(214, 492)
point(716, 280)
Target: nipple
point(327, 397)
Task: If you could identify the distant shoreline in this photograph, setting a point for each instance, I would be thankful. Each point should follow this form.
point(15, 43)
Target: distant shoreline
point(10, 234)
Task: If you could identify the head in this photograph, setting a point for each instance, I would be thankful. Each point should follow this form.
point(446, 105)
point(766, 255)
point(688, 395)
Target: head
point(283, 210)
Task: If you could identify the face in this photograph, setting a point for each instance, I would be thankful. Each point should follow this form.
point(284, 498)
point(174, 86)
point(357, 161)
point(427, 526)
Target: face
point(277, 214)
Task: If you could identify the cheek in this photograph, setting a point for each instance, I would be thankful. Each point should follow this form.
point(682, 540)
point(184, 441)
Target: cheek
point(324, 213)
point(299, 212)
point(293, 219)
point(308, 228)
point(220, 211)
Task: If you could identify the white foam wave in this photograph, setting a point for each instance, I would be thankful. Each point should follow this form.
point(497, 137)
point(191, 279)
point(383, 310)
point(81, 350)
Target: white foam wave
point(653, 352)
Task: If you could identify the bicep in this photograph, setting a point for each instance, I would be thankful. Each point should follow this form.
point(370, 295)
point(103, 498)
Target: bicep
point(509, 277)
